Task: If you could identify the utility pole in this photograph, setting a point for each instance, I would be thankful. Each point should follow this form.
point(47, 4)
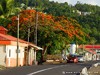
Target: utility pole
point(35, 29)
point(35, 32)
point(17, 41)
point(27, 62)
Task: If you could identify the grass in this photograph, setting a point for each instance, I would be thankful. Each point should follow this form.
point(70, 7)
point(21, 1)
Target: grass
point(2, 67)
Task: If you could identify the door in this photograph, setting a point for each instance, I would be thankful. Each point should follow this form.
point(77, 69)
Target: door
point(3, 55)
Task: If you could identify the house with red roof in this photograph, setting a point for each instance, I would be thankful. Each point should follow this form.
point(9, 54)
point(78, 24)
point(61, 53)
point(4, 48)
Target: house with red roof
point(92, 51)
point(8, 50)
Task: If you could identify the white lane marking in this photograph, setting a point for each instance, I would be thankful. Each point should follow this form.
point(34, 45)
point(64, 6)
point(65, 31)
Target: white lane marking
point(44, 70)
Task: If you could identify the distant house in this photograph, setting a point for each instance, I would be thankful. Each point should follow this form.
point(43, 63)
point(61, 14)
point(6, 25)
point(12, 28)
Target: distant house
point(79, 12)
point(8, 50)
point(86, 13)
point(92, 52)
point(83, 13)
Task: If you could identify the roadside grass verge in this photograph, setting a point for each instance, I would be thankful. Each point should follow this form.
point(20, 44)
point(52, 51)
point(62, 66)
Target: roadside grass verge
point(2, 67)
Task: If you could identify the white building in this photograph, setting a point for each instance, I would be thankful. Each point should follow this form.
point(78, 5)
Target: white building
point(8, 50)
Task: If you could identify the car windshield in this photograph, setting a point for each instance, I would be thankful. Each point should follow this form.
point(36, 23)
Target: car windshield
point(72, 56)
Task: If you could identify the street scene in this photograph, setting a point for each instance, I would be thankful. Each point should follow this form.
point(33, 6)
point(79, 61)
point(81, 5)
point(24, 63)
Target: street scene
point(49, 37)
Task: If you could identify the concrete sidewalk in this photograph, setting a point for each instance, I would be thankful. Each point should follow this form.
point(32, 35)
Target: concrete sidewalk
point(94, 70)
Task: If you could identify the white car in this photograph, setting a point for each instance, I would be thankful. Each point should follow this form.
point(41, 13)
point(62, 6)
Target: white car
point(80, 58)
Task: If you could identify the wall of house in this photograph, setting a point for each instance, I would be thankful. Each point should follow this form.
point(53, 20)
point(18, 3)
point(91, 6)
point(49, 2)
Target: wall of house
point(2, 55)
point(98, 57)
point(31, 56)
point(88, 56)
point(12, 55)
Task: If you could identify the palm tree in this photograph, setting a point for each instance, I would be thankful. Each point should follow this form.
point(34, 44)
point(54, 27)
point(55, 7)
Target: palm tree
point(7, 8)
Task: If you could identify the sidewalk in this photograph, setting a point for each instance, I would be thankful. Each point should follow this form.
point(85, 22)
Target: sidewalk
point(94, 70)
point(55, 62)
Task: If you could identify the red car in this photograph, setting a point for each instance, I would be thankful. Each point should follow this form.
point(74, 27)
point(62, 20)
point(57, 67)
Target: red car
point(72, 58)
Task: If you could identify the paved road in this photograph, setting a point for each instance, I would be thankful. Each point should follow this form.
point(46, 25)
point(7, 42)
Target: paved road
point(61, 69)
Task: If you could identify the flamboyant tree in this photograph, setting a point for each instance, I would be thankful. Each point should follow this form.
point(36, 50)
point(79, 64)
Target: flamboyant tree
point(53, 32)
point(26, 19)
point(70, 27)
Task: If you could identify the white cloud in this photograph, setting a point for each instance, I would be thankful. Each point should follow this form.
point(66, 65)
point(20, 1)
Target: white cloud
point(73, 2)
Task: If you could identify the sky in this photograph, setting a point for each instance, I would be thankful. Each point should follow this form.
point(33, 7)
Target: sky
point(73, 2)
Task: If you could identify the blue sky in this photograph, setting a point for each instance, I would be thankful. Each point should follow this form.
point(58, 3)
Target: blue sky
point(73, 2)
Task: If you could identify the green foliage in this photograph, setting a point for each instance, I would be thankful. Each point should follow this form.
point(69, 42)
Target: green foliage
point(4, 22)
point(52, 39)
point(47, 36)
point(64, 9)
point(91, 25)
point(39, 56)
point(7, 8)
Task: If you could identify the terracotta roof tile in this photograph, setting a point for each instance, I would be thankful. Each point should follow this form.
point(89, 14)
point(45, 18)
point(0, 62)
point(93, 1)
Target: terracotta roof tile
point(7, 37)
point(93, 46)
point(10, 38)
point(2, 28)
point(91, 51)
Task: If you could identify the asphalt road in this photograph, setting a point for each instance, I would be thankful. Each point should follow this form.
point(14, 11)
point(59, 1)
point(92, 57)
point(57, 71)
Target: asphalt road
point(59, 69)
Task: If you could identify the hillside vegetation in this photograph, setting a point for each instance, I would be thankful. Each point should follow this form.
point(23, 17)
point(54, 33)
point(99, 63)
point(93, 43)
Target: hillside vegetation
point(59, 24)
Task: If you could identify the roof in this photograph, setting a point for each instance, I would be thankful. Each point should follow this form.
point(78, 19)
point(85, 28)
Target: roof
point(90, 48)
point(93, 46)
point(10, 38)
point(37, 47)
point(6, 38)
point(91, 51)
point(3, 29)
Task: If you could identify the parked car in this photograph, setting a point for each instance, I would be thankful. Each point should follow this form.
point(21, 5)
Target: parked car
point(80, 58)
point(72, 58)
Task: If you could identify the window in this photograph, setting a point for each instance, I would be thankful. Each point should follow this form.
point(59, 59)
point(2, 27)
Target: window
point(4, 49)
point(9, 53)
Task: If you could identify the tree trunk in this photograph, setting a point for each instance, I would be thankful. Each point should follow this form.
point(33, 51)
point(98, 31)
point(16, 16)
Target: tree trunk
point(45, 50)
